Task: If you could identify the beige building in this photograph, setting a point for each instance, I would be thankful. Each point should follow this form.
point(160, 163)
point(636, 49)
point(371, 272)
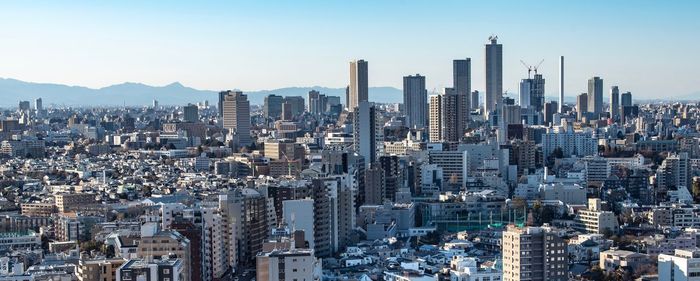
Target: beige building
point(611, 260)
point(236, 116)
point(595, 220)
point(66, 202)
point(534, 253)
point(359, 88)
point(156, 243)
point(98, 270)
point(435, 118)
point(38, 209)
point(287, 259)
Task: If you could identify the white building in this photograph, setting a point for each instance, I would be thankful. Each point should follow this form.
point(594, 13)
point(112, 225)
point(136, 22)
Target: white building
point(595, 220)
point(465, 269)
point(299, 215)
point(681, 266)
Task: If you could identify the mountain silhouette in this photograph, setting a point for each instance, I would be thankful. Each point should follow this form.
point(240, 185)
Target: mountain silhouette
point(139, 94)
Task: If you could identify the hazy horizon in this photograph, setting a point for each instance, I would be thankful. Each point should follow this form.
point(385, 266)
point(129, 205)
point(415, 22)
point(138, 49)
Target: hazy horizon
point(640, 46)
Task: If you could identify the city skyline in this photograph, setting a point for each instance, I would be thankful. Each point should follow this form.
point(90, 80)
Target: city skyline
point(208, 52)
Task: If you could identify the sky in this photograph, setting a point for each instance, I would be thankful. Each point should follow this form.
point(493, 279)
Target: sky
point(647, 47)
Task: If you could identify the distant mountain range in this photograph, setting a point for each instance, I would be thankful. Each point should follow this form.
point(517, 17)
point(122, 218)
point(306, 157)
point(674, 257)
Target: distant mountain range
point(136, 94)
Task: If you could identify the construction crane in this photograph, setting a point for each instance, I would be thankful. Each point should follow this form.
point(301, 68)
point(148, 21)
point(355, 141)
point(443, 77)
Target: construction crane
point(531, 68)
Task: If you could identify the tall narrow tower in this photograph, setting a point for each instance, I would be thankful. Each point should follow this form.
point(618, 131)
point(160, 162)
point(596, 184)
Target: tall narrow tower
point(614, 103)
point(415, 101)
point(358, 83)
point(494, 75)
point(595, 96)
point(561, 84)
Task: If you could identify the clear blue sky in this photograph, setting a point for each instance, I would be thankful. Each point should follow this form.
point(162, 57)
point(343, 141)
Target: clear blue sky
point(647, 47)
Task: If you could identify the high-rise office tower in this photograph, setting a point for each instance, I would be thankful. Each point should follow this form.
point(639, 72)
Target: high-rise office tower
point(511, 114)
point(318, 103)
point(368, 138)
point(287, 112)
point(24, 105)
point(451, 115)
point(534, 253)
point(626, 99)
point(550, 108)
point(494, 75)
point(155, 104)
point(462, 83)
point(272, 106)
point(415, 98)
point(347, 97)
point(532, 93)
point(475, 100)
point(190, 113)
point(297, 104)
point(595, 96)
point(236, 116)
point(435, 123)
point(222, 95)
point(581, 106)
point(359, 88)
point(244, 212)
point(614, 103)
point(561, 84)
point(39, 107)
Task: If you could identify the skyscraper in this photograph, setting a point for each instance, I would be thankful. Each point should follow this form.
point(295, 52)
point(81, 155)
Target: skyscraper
point(614, 103)
point(626, 99)
point(272, 106)
point(415, 98)
point(236, 116)
point(318, 103)
point(359, 89)
point(494, 74)
point(39, 107)
point(190, 113)
point(435, 129)
point(475, 100)
point(561, 84)
point(532, 93)
point(462, 83)
point(534, 253)
point(451, 115)
point(297, 104)
point(369, 133)
point(595, 96)
point(222, 95)
point(549, 109)
point(581, 106)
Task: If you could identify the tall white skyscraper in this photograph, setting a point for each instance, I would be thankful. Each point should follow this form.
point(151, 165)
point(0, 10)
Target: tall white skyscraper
point(415, 101)
point(561, 84)
point(359, 89)
point(494, 75)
